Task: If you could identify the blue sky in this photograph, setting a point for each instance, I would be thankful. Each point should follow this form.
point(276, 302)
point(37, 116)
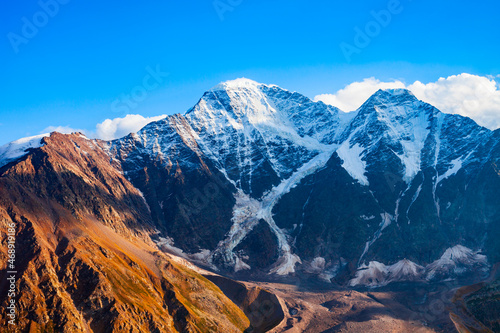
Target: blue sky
point(88, 54)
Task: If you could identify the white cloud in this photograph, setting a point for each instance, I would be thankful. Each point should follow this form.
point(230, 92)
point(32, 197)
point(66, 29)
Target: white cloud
point(473, 96)
point(477, 97)
point(109, 129)
point(355, 94)
point(62, 129)
point(116, 128)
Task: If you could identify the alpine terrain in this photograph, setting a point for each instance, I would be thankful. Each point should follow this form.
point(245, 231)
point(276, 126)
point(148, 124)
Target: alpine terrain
point(254, 183)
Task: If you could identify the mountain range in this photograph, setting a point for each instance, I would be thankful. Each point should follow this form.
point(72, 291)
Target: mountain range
point(254, 181)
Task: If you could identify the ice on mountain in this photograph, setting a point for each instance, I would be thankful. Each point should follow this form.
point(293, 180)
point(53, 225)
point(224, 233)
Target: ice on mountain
point(456, 165)
point(18, 148)
point(240, 265)
point(353, 161)
point(242, 126)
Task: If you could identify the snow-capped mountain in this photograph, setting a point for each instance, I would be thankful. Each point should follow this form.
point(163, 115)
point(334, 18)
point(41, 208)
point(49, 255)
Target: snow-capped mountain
point(258, 179)
point(261, 134)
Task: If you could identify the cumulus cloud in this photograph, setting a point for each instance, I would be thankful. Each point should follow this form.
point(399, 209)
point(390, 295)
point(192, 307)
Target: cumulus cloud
point(109, 129)
point(473, 96)
point(63, 130)
point(355, 94)
point(116, 128)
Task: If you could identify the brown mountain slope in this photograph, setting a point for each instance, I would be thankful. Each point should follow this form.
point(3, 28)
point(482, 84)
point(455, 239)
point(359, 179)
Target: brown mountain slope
point(84, 259)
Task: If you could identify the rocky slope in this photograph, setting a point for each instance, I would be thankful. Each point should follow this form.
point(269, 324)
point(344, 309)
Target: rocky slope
point(484, 305)
point(84, 258)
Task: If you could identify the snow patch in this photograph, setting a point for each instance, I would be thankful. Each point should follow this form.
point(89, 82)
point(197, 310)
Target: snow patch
point(413, 199)
point(315, 266)
point(17, 149)
point(245, 217)
point(144, 199)
point(248, 211)
point(353, 162)
point(240, 265)
point(166, 244)
point(239, 83)
point(456, 165)
point(386, 221)
point(324, 271)
point(411, 134)
point(202, 256)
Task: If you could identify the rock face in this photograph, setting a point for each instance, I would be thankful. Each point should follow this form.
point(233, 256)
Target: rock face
point(84, 258)
point(423, 184)
point(190, 200)
point(484, 305)
point(255, 179)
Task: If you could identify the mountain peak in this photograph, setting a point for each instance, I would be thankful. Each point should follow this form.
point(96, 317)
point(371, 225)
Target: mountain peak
point(239, 84)
point(390, 98)
point(393, 95)
point(18, 148)
point(396, 91)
